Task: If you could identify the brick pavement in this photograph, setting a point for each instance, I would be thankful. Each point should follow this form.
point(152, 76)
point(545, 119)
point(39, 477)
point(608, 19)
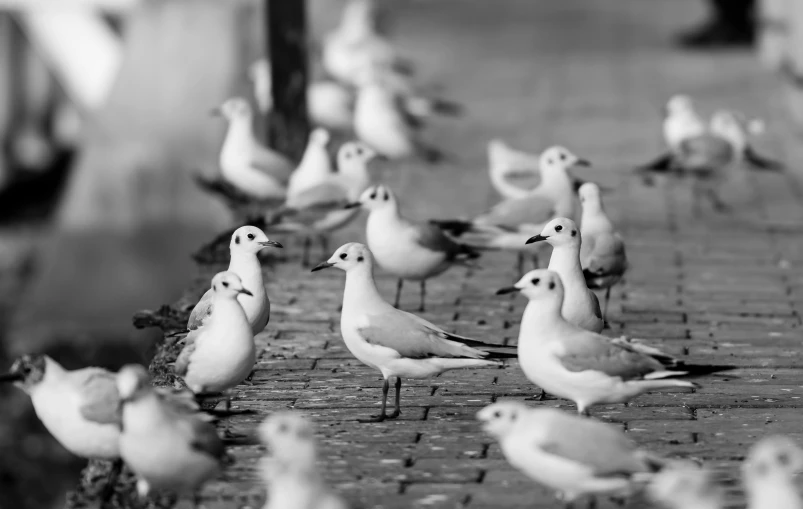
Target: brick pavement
point(720, 289)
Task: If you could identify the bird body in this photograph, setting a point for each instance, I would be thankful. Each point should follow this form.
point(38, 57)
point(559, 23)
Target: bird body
point(681, 122)
point(315, 166)
point(380, 122)
point(769, 473)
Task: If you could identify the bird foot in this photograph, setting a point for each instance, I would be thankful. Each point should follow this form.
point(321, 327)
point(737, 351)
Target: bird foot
point(373, 418)
point(228, 412)
point(394, 414)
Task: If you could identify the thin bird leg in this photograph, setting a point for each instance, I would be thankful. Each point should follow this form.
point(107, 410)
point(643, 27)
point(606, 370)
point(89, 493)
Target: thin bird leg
point(584, 412)
point(716, 201)
point(111, 480)
point(541, 397)
point(398, 293)
point(592, 502)
point(382, 416)
point(397, 410)
point(325, 245)
point(534, 259)
point(305, 254)
point(423, 294)
point(605, 307)
point(520, 264)
point(695, 201)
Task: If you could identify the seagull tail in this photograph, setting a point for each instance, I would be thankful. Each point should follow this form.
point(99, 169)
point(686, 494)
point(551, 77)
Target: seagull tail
point(760, 162)
point(404, 66)
point(662, 163)
point(432, 154)
point(501, 352)
point(456, 227)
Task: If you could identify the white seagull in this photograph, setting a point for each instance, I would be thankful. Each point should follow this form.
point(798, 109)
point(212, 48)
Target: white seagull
point(315, 166)
point(580, 305)
point(246, 242)
point(685, 485)
point(583, 366)
point(769, 474)
point(409, 250)
point(737, 129)
point(681, 122)
point(249, 166)
point(395, 342)
point(568, 454)
point(289, 469)
point(513, 173)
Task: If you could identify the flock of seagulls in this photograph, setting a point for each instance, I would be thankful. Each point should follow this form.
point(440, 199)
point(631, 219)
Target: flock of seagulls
point(169, 444)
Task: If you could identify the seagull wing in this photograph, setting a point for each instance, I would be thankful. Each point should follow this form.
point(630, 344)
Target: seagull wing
point(202, 436)
point(201, 311)
point(584, 351)
point(429, 236)
point(100, 401)
point(271, 162)
point(529, 210)
point(705, 153)
point(182, 363)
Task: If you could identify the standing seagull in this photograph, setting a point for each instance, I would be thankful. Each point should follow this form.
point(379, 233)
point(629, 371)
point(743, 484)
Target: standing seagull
point(570, 455)
point(510, 223)
point(686, 486)
point(246, 242)
point(290, 471)
point(583, 366)
point(681, 122)
point(244, 162)
point(166, 446)
point(769, 474)
point(737, 129)
point(580, 305)
point(395, 342)
point(221, 354)
point(602, 253)
point(408, 250)
point(315, 166)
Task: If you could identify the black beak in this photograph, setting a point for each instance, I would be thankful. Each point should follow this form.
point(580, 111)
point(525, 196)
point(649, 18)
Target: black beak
point(352, 205)
point(246, 292)
point(216, 112)
point(381, 157)
point(321, 266)
point(582, 162)
point(271, 243)
point(11, 377)
point(537, 238)
point(506, 290)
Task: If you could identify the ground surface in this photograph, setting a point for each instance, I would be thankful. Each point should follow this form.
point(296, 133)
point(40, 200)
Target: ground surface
point(722, 289)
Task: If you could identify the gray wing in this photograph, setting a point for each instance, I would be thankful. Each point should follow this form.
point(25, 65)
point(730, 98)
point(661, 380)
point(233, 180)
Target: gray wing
point(523, 179)
point(325, 196)
point(431, 237)
point(203, 437)
point(534, 209)
point(272, 162)
point(100, 401)
point(183, 361)
point(201, 311)
point(594, 444)
point(587, 351)
point(413, 339)
point(605, 255)
point(705, 153)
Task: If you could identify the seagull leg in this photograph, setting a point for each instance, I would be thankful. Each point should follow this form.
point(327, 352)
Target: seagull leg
point(584, 412)
point(543, 396)
point(695, 201)
point(520, 263)
point(534, 259)
point(716, 201)
point(423, 295)
point(398, 293)
point(305, 254)
point(592, 502)
point(325, 245)
point(397, 410)
point(111, 480)
point(382, 416)
point(605, 307)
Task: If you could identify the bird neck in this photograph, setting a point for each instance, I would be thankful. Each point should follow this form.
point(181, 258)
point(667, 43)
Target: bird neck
point(594, 219)
point(360, 291)
point(539, 315)
point(356, 176)
point(500, 182)
point(565, 260)
point(247, 266)
point(239, 132)
point(143, 414)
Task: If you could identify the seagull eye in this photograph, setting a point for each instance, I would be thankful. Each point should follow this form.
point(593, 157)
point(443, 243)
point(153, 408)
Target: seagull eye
point(373, 196)
point(283, 428)
point(574, 233)
point(497, 414)
point(343, 256)
point(552, 285)
point(558, 228)
point(237, 239)
point(360, 258)
point(563, 157)
point(250, 236)
point(359, 151)
point(387, 196)
point(225, 285)
point(783, 459)
point(535, 281)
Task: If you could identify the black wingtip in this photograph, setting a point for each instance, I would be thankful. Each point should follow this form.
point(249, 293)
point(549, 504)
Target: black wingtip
point(497, 353)
point(696, 370)
point(760, 162)
point(454, 227)
point(663, 163)
point(450, 108)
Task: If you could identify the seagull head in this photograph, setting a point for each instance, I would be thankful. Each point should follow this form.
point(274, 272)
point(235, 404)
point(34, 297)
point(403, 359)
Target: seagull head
point(501, 418)
point(539, 284)
point(559, 159)
point(228, 284)
point(376, 198)
point(319, 137)
point(679, 104)
point(685, 484)
point(589, 194)
point(348, 257)
point(250, 239)
point(561, 231)
point(233, 109)
point(259, 70)
point(133, 382)
point(775, 456)
point(27, 371)
point(353, 158)
point(289, 437)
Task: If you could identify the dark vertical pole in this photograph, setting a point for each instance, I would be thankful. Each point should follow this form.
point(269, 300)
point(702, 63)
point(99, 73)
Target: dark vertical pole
point(287, 47)
point(16, 74)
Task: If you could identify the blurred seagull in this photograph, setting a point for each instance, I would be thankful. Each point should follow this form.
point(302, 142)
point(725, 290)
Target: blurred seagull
point(320, 209)
point(602, 253)
point(221, 354)
point(315, 166)
point(395, 342)
point(289, 470)
point(769, 472)
point(706, 159)
point(408, 250)
point(245, 163)
point(736, 128)
point(583, 366)
point(568, 454)
point(511, 222)
point(681, 121)
point(246, 242)
point(164, 444)
point(580, 305)
point(685, 485)
point(513, 173)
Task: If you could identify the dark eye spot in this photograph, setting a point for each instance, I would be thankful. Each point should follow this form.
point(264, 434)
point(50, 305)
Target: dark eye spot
point(237, 239)
point(250, 236)
point(359, 151)
point(497, 414)
point(283, 428)
point(574, 233)
point(558, 228)
point(343, 256)
point(387, 196)
point(535, 281)
point(360, 258)
point(551, 285)
point(513, 417)
point(225, 284)
point(783, 459)
point(373, 196)
point(563, 157)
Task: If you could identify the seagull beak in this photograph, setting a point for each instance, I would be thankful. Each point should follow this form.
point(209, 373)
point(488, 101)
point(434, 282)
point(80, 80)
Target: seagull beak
point(11, 377)
point(321, 266)
point(381, 157)
point(247, 292)
point(216, 112)
point(537, 238)
point(352, 205)
point(582, 162)
point(271, 243)
point(506, 290)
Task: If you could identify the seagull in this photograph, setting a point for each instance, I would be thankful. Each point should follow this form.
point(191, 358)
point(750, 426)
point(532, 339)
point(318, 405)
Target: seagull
point(395, 342)
point(681, 122)
point(289, 470)
point(583, 366)
point(736, 128)
point(408, 250)
point(685, 485)
point(580, 305)
point(513, 173)
point(166, 445)
point(511, 222)
point(706, 159)
point(315, 166)
point(573, 456)
point(602, 253)
point(246, 242)
point(769, 472)
point(221, 354)
point(245, 163)
point(321, 210)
